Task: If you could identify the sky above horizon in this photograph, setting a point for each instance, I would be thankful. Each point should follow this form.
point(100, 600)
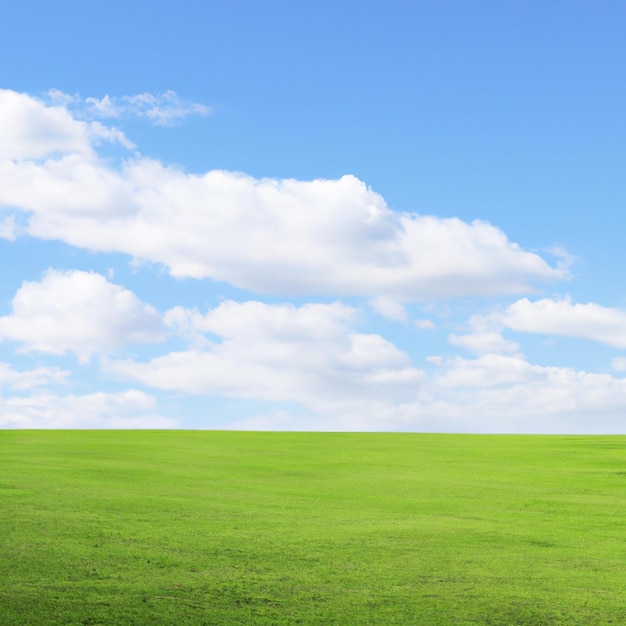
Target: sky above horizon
point(313, 216)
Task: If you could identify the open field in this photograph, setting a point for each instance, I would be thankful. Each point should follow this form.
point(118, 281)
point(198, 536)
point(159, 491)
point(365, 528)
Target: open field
point(298, 528)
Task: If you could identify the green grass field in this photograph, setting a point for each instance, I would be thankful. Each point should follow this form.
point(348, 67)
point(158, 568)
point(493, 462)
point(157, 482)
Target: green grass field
point(298, 528)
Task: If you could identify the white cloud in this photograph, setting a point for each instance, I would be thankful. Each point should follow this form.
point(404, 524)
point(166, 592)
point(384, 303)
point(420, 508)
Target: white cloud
point(485, 343)
point(546, 316)
point(31, 130)
point(491, 394)
point(619, 364)
point(78, 312)
point(345, 380)
point(160, 109)
point(292, 237)
point(390, 308)
point(565, 259)
point(40, 376)
point(8, 228)
point(128, 409)
point(334, 237)
point(59, 98)
point(103, 107)
point(424, 324)
point(308, 354)
point(489, 370)
point(99, 132)
point(497, 393)
point(561, 317)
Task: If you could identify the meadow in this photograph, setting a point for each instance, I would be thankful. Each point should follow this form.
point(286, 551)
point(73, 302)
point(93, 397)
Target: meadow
point(221, 528)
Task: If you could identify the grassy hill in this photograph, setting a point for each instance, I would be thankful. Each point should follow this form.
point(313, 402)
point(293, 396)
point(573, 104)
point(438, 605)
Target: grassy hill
point(182, 527)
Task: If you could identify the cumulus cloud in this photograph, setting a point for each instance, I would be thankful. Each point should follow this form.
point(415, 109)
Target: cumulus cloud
point(32, 130)
point(345, 380)
point(128, 409)
point(275, 237)
point(562, 317)
point(324, 237)
point(547, 316)
point(79, 312)
point(309, 354)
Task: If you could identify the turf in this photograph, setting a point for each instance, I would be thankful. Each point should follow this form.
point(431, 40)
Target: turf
point(298, 528)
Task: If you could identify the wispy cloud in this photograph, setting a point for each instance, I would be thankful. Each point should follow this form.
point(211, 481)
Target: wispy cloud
point(161, 109)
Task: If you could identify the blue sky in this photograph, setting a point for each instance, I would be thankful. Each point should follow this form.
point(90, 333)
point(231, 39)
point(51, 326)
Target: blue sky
point(319, 216)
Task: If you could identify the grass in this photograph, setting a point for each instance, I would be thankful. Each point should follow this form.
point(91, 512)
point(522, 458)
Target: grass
point(299, 528)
